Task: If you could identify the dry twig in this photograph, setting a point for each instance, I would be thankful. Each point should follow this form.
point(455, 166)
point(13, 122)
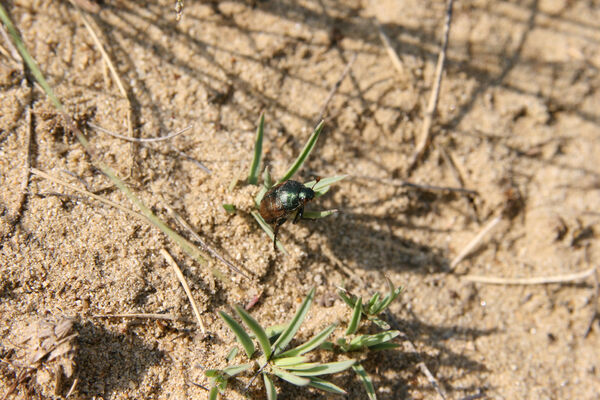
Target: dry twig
point(186, 288)
point(167, 317)
point(475, 241)
point(433, 100)
point(542, 280)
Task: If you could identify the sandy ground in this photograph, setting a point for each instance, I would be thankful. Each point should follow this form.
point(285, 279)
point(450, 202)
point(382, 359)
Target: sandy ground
point(518, 121)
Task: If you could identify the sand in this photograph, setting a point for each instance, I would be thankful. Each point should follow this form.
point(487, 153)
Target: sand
point(518, 122)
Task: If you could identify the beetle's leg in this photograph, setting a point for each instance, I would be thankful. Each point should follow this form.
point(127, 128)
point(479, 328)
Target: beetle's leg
point(278, 223)
point(299, 214)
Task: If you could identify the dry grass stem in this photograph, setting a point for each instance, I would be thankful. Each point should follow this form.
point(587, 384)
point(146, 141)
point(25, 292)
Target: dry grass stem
point(205, 246)
point(186, 288)
point(387, 43)
point(450, 162)
point(44, 175)
point(475, 241)
point(335, 87)
point(433, 100)
point(166, 317)
point(542, 280)
point(140, 140)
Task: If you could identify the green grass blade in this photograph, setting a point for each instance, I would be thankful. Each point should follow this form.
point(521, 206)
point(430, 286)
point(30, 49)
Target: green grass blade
point(294, 324)
point(274, 331)
point(311, 344)
point(253, 174)
point(317, 214)
point(287, 361)
point(300, 367)
point(232, 353)
point(187, 246)
point(387, 300)
point(355, 320)
point(241, 335)
point(269, 387)
point(236, 369)
point(258, 330)
point(373, 302)
point(323, 186)
point(384, 346)
point(213, 394)
point(291, 378)
point(366, 381)
point(350, 301)
point(328, 368)
point(35, 70)
point(326, 386)
point(304, 154)
point(371, 340)
point(267, 228)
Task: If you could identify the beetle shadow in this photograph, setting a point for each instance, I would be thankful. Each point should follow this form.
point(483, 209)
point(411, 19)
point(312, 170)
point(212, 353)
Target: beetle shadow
point(109, 362)
point(385, 242)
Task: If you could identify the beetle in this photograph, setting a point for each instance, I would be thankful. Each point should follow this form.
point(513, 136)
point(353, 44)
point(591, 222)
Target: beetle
point(281, 201)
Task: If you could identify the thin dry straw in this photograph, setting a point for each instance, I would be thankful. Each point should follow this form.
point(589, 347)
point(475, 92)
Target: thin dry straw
point(433, 100)
point(186, 288)
point(541, 280)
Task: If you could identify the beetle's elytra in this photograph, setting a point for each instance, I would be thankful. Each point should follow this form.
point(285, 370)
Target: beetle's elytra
point(281, 201)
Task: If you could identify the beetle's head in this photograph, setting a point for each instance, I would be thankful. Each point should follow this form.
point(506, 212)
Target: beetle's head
point(306, 194)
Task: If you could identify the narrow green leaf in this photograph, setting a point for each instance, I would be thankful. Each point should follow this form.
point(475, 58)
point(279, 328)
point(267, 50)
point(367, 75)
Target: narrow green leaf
point(372, 302)
point(328, 368)
point(212, 373)
point(258, 330)
point(366, 381)
point(230, 208)
point(287, 361)
point(387, 300)
point(323, 186)
point(253, 174)
point(313, 343)
point(350, 301)
point(370, 340)
point(384, 346)
point(294, 325)
point(267, 228)
point(291, 378)
point(232, 353)
point(304, 154)
point(274, 331)
point(241, 335)
point(269, 387)
point(317, 214)
point(236, 369)
point(326, 386)
point(355, 320)
point(213, 394)
point(300, 366)
point(380, 323)
point(327, 346)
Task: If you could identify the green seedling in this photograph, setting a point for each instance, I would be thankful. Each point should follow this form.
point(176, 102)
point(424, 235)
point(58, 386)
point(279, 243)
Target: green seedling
point(272, 357)
point(372, 342)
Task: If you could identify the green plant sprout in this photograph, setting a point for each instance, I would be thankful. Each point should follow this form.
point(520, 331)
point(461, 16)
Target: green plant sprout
point(374, 342)
point(274, 360)
point(320, 188)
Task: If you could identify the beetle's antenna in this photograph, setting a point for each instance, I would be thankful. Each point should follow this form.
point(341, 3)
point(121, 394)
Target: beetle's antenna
point(317, 179)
